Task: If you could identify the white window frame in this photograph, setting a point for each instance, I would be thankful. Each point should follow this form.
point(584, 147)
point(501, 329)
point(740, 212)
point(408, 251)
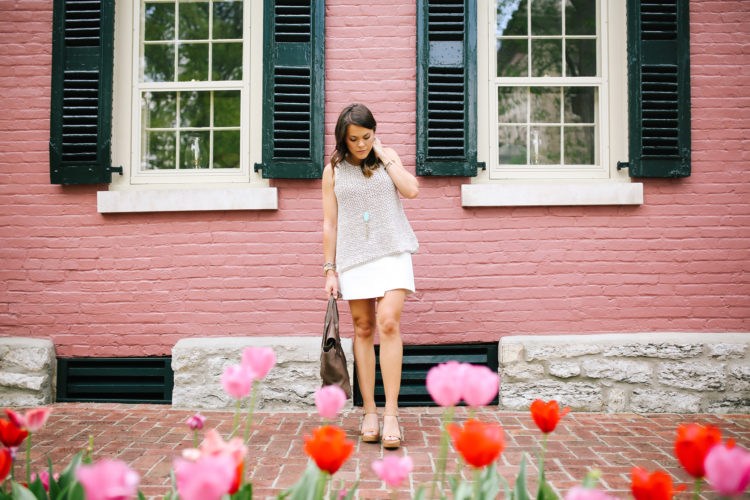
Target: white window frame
point(603, 185)
point(184, 190)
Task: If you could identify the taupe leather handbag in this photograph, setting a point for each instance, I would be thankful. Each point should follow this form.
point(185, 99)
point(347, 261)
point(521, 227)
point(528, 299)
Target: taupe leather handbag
point(332, 360)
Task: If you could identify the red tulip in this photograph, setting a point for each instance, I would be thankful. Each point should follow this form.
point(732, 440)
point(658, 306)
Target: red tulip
point(11, 435)
point(654, 486)
point(692, 445)
point(329, 448)
point(480, 444)
point(547, 415)
point(5, 463)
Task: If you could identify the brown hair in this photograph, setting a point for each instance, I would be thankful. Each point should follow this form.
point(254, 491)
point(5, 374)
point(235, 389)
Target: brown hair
point(354, 114)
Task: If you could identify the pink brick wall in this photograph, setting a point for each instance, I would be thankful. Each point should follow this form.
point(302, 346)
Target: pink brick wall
point(127, 285)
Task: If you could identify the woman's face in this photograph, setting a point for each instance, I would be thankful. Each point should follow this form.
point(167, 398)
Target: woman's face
point(359, 141)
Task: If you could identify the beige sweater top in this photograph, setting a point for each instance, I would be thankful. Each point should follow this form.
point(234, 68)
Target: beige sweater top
point(371, 219)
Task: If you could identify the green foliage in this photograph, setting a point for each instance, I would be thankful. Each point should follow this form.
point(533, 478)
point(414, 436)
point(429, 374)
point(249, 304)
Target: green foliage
point(308, 486)
point(244, 493)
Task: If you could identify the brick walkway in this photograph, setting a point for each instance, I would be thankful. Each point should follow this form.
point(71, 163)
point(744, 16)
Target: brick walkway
point(148, 436)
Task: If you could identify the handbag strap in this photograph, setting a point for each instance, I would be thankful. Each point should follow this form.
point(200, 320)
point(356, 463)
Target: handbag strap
point(332, 317)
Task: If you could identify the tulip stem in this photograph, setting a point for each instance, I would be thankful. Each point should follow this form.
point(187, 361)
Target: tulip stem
point(477, 483)
point(236, 424)
point(697, 488)
point(249, 419)
point(544, 454)
point(195, 438)
point(28, 460)
point(442, 457)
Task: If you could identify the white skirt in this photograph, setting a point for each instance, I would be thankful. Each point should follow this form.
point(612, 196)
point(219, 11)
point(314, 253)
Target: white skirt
point(373, 279)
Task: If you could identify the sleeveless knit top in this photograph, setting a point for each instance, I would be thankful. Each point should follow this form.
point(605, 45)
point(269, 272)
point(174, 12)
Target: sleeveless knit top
point(371, 219)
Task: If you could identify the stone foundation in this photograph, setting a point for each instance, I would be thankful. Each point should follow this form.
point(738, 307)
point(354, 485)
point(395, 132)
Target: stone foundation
point(199, 363)
point(27, 368)
point(641, 373)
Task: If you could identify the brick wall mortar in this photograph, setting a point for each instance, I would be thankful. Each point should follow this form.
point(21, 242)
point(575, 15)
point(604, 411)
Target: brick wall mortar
point(134, 284)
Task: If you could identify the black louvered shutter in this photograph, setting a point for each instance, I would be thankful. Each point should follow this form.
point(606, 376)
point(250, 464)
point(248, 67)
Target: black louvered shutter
point(293, 67)
point(446, 88)
point(81, 102)
point(659, 88)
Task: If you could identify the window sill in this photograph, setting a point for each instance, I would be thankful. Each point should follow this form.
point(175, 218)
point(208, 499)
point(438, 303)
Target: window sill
point(552, 194)
point(187, 200)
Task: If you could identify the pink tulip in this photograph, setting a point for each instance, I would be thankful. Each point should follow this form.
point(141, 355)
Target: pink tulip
point(32, 420)
point(209, 478)
point(44, 478)
point(480, 385)
point(237, 381)
point(329, 400)
point(445, 383)
point(259, 359)
point(108, 480)
point(727, 469)
point(214, 445)
point(581, 493)
point(393, 469)
point(195, 422)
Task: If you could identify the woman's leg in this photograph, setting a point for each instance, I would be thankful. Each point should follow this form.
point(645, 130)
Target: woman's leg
point(391, 355)
point(363, 317)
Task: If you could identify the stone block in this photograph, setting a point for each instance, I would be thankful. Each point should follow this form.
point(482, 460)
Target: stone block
point(510, 353)
point(616, 400)
point(725, 351)
point(739, 379)
point(730, 404)
point(543, 352)
point(655, 401)
point(633, 372)
point(579, 396)
point(664, 350)
point(523, 371)
point(27, 368)
point(564, 369)
point(694, 375)
point(199, 363)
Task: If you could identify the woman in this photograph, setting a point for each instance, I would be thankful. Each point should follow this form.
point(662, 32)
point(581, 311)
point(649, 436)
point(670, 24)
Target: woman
point(368, 240)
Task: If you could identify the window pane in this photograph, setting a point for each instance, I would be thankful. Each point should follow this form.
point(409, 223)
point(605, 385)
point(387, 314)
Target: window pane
point(546, 58)
point(159, 109)
point(227, 61)
point(158, 63)
point(227, 20)
point(159, 21)
point(512, 18)
point(580, 17)
point(193, 21)
point(580, 57)
point(511, 141)
point(227, 108)
point(580, 146)
point(512, 58)
point(545, 145)
point(580, 104)
point(545, 104)
point(511, 104)
point(195, 109)
point(157, 151)
point(227, 149)
point(195, 148)
point(546, 17)
point(193, 62)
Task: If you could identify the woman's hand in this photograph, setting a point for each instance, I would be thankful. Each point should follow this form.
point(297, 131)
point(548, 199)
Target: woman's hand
point(377, 146)
point(332, 285)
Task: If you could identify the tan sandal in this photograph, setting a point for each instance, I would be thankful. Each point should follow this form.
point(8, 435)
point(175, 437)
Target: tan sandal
point(372, 436)
point(391, 441)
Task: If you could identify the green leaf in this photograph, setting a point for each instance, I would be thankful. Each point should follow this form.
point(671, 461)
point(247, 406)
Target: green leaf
point(244, 493)
point(352, 491)
point(20, 493)
point(506, 487)
point(521, 492)
point(37, 488)
point(464, 491)
point(76, 492)
point(490, 483)
point(307, 485)
point(546, 492)
point(141, 496)
point(421, 492)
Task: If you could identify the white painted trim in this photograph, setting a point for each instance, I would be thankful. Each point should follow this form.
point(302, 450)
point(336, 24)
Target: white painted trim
point(551, 194)
point(183, 200)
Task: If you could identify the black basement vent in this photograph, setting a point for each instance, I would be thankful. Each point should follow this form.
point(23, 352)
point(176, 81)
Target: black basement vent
point(115, 380)
point(418, 359)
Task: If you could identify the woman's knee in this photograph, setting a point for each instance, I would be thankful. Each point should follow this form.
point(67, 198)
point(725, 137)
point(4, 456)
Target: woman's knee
point(364, 327)
point(388, 325)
